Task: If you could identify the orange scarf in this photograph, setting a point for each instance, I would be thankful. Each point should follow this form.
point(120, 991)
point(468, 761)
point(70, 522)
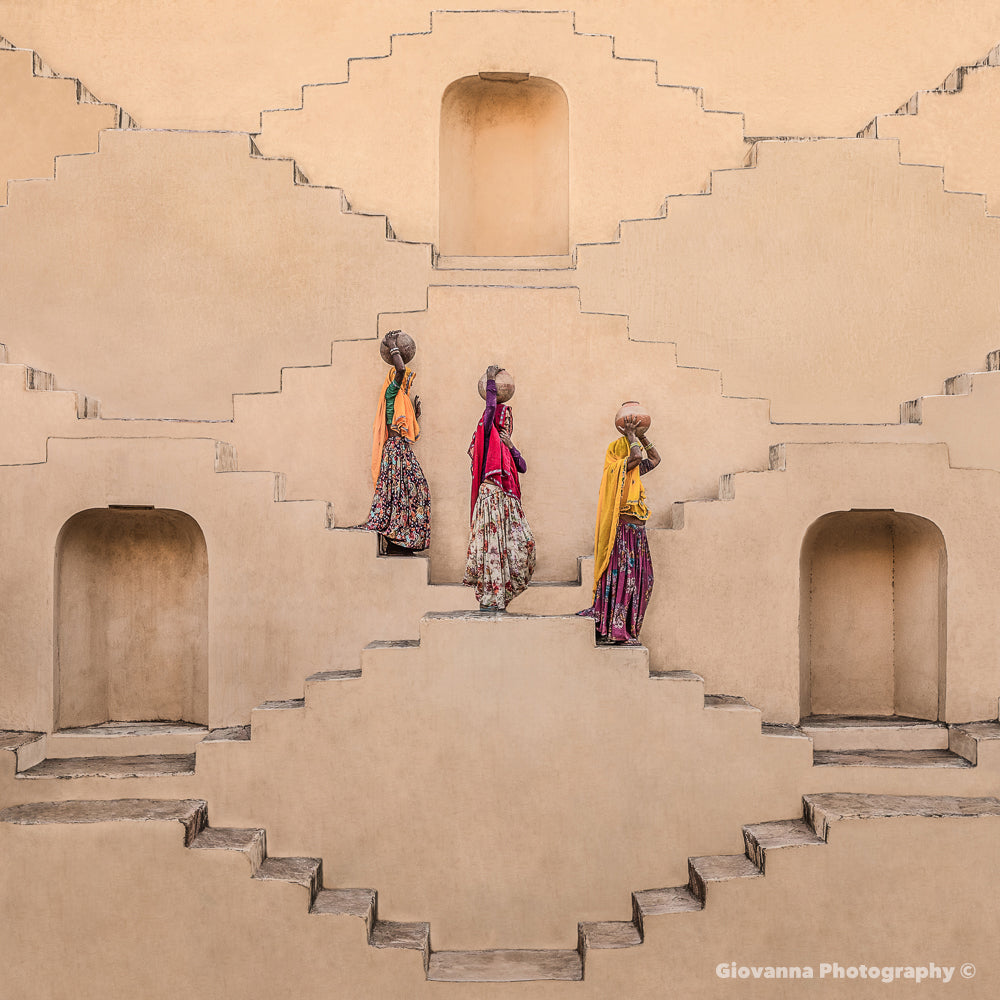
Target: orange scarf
point(404, 418)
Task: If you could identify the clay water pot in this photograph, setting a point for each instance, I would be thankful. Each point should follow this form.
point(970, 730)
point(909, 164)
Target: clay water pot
point(505, 385)
point(407, 348)
point(633, 409)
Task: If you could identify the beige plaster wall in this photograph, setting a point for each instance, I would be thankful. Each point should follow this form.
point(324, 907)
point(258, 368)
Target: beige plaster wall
point(198, 268)
point(795, 68)
point(572, 372)
point(40, 118)
point(746, 572)
point(828, 278)
point(888, 881)
point(499, 749)
point(955, 130)
point(282, 589)
point(631, 142)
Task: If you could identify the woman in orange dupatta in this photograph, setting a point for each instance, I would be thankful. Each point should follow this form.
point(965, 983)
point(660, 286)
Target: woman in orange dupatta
point(623, 571)
point(401, 508)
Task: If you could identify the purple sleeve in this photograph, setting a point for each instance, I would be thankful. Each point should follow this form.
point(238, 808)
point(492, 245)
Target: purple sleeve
point(491, 405)
point(488, 413)
point(522, 465)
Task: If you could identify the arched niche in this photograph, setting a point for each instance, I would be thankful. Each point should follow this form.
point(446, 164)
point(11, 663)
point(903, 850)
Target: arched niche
point(872, 627)
point(131, 614)
point(504, 181)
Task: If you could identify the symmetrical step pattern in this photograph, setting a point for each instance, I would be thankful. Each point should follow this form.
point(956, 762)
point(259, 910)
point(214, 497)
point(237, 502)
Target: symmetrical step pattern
point(517, 965)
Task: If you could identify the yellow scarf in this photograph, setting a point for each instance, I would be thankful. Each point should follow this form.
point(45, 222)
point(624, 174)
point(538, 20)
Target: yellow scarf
point(618, 489)
point(404, 418)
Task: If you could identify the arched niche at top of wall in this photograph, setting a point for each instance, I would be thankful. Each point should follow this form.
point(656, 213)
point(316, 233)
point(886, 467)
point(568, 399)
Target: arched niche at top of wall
point(504, 166)
point(131, 618)
point(872, 626)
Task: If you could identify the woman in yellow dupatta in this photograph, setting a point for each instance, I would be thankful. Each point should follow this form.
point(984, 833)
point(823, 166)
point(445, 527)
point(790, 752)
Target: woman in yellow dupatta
point(401, 507)
point(623, 572)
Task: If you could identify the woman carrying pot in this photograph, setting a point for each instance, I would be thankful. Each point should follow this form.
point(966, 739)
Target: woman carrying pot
point(623, 572)
point(501, 556)
point(401, 507)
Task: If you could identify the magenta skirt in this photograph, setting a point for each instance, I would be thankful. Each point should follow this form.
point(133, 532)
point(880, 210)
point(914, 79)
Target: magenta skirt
point(624, 588)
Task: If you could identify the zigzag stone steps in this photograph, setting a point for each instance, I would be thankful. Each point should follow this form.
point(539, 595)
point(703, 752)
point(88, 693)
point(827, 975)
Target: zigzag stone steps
point(510, 965)
point(950, 125)
point(45, 115)
point(214, 176)
point(323, 721)
point(456, 41)
point(788, 211)
point(962, 384)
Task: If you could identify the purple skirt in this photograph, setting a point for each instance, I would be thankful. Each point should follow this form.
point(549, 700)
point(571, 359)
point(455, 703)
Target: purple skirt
point(624, 588)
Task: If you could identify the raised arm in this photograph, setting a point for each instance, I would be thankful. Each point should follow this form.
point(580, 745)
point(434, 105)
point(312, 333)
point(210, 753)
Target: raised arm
point(631, 424)
point(396, 355)
point(491, 396)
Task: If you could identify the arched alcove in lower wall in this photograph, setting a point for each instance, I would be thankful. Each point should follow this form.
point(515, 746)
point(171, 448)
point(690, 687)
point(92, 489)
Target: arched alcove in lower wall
point(131, 618)
point(872, 627)
point(504, 172)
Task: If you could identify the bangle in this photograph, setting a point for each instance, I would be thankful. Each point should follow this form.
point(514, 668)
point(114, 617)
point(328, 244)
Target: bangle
point(635, 444)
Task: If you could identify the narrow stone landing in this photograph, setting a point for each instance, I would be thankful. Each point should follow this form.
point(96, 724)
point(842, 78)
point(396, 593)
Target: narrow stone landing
point(518, 966)
point(145, 766)
point(888, 758)
point(125, 739)
point(888, 732)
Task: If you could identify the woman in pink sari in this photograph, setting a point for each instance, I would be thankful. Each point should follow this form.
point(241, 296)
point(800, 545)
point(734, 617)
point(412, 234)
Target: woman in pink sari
point(501, 556)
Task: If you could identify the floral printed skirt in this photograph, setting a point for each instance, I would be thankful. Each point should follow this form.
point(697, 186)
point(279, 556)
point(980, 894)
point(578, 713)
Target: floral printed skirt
point(624, 588)
point(501, 548)
point(401, 509)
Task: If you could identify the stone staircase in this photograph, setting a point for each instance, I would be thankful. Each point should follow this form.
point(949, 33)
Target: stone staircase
point(83, 96)
point(30, 379)
point(707, 875)
point(894, 741)
point(912, 411)
point(46, 114)
point(953, 84)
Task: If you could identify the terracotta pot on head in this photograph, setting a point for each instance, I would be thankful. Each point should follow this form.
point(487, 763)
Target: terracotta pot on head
point(505, 385)
point(633, 409)
point(405, 343)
